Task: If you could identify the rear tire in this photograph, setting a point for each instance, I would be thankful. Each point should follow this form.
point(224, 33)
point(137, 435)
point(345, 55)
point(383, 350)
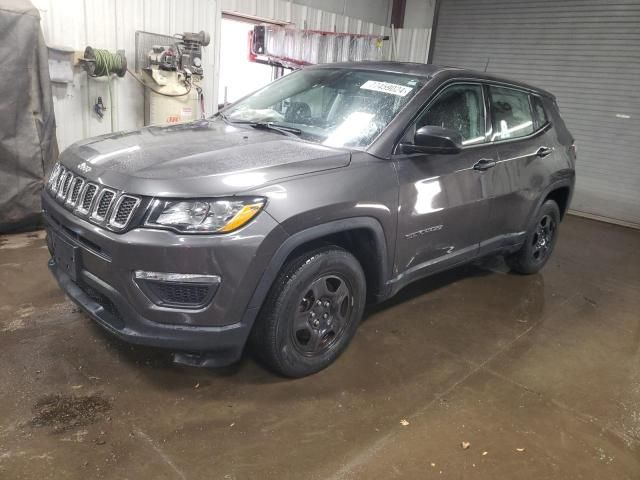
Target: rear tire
point(540, 241)
point(311, 312)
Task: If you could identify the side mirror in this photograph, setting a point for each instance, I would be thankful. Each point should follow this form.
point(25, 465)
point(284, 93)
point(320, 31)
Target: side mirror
point(432, 139)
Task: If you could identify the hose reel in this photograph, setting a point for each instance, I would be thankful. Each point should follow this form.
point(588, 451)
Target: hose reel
point(102, 63)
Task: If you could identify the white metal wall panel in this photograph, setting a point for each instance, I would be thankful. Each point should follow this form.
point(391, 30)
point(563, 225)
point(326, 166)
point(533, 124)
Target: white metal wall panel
point(376, 11)
point(302, 16)
point(412, 44)
point(111, 24)
point(586, 52)
point(282, 11)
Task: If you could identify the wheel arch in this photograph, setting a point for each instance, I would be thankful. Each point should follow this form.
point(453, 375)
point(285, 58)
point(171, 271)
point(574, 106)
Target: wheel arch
point(344, 233)
point(559, 190)
point(561, 194)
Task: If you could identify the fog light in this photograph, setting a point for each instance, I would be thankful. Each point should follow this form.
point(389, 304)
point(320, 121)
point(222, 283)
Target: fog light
point(178, 290)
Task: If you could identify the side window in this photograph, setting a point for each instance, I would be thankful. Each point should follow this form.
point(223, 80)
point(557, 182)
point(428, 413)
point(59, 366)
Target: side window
point(538, 111)
point(461, 108)
point(510, 113)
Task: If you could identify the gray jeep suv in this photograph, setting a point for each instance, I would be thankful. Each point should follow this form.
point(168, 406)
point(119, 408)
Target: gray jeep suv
point(279, 218)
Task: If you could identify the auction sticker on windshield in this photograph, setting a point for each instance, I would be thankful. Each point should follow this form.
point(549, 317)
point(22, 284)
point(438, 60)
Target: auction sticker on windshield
point(392, 88)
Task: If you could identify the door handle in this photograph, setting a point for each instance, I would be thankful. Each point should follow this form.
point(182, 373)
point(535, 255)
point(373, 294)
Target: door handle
point(484, 164)
point(544, 151)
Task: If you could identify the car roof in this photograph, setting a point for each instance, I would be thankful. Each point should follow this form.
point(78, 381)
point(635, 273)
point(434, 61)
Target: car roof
point(430, 71)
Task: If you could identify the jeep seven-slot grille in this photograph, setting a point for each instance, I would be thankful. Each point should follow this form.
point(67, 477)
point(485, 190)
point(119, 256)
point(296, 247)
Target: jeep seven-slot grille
point(66, 182)
point(104, 203)
point(126, 205)
point(96, 203)
point(58, 181)
point(75, 190)
point(88, 196)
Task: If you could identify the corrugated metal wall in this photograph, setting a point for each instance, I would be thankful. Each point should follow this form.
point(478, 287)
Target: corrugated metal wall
point(375, 11)
point(302, 16)
point(111, 24)
point(588, 54)
point(412, 44)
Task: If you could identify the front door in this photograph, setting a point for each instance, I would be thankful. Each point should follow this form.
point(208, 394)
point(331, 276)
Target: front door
point(444, 205)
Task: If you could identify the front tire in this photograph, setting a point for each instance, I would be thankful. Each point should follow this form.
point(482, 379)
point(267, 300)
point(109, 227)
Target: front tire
point(311, 313)
point(539, 243)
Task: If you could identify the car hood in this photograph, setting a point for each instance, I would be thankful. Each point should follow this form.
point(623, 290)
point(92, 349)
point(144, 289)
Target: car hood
point(206, 157)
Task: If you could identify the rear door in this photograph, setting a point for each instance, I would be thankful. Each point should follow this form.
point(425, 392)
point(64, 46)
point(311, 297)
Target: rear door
point(444, 204)
point(526, 146)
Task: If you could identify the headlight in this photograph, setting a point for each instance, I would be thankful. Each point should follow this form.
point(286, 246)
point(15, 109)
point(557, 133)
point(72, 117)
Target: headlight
point(204, 215)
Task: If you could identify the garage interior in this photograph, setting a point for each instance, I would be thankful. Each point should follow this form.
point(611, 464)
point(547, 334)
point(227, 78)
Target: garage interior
point(471, 373)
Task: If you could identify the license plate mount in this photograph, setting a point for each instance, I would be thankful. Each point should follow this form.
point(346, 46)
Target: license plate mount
point(67, 256)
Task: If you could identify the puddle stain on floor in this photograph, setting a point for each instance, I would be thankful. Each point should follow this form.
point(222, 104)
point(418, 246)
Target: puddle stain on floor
point(20, 240)
point(66, 412)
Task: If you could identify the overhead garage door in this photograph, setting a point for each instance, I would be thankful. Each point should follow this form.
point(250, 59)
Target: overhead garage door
point(587, 53)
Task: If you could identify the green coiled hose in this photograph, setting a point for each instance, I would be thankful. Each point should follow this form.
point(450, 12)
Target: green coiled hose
point(102, 63)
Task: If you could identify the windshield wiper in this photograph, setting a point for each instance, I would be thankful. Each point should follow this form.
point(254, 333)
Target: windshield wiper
point(223, 117)
point(284, 130)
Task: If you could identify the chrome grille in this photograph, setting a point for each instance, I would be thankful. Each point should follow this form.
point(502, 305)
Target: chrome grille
point(97, 204)
point(55, 185)
point(55, 175)
point(105, 199)
point(65, 183)
point(74, 191)
point(123, 211)
point(86, 199)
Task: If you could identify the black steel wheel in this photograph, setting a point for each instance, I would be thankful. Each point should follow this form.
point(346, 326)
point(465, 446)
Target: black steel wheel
point(542, 238)
point(323, 315)
point(540, 241)
point(311, 312)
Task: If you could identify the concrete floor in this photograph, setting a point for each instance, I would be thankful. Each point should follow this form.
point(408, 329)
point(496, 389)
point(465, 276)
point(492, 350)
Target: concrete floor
point(548, 364)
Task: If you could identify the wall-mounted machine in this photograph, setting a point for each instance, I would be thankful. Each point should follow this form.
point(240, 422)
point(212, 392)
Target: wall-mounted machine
point(171, 68)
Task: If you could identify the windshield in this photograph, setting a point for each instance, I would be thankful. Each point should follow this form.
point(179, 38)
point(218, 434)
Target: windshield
point(333, 106)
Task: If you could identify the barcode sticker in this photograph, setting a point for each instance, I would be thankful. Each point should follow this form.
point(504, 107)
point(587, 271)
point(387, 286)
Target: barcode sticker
point(385, 87)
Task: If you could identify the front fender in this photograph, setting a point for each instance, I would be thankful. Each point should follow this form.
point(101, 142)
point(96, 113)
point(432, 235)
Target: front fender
point(308, 235)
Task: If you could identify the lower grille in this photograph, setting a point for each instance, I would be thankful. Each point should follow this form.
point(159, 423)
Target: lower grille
point(180, 294)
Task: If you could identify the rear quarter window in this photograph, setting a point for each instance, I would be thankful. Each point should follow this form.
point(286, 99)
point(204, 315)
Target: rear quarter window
point(510, 113)
point(539, 114)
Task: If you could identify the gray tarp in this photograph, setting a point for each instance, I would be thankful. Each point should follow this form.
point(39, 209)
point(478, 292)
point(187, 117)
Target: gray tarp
point(28, 145)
